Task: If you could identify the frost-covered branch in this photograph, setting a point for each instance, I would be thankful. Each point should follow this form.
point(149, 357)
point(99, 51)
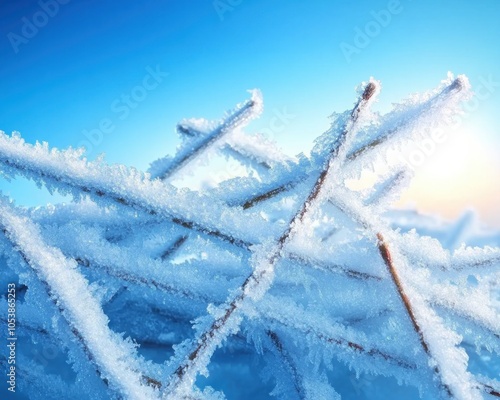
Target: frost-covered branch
point(164, 169)
point(67, 172)
point(315, 282)
point(256, 284)
point(453, 378)
point(396, 126)
point(113, 358)
point(387, 257)
point(260, 153)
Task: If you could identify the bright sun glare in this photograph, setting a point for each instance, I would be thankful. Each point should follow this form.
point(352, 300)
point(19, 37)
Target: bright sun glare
point(460, 174)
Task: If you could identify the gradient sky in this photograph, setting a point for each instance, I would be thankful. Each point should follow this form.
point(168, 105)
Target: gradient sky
point(71, 75)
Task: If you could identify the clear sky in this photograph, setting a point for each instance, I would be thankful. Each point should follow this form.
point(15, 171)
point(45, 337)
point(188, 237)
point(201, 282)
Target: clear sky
point(133, 69)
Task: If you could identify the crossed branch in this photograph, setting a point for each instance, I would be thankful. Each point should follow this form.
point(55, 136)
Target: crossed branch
point(228, 315)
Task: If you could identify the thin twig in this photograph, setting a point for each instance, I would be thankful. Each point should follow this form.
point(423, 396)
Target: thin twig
point(339, 269)
point(287, 361)
point(205, 142)
point(489, 389)
point(257, 276)
point(120, 200)
point(248, 158)
point(268, 194)
point(227, 148)
point(387, 257)
point(174, 247)
point(384, 137)
point(140, 280)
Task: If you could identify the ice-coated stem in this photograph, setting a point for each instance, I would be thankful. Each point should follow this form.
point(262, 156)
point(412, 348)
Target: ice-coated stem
point(228, 148)
point(387, 257)
point(452, 89)
point(249, 109)
point(287, 361)
point(94, 190)
point(458, 85)
point(207, 341)
point(69, 291)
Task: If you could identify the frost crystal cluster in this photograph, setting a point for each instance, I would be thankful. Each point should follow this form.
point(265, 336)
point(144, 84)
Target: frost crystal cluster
point(284, 282)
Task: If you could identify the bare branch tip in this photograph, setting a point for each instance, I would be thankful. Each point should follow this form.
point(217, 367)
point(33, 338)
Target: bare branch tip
point(369, 91)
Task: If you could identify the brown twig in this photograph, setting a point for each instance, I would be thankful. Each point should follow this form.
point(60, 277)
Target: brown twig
point(287, 361)
point(387, 257)
point(268, 194)
point(140, 280)
point(205, 142)
point(385, 136)
point(339, 269)
point(489, 389)
point(257, 276)
point(174, 247)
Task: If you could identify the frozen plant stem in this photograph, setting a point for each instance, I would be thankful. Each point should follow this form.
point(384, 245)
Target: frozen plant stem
point(287, 361)
point(458, 85)
point(386, 256)
point(207, 341)
point(174, 247)
point(137, 279)
point(204, 142)
point(88, 185)
point(149, 270)
point(490, 390)
point(227, 148)
point(451, 90)
point(114, 362)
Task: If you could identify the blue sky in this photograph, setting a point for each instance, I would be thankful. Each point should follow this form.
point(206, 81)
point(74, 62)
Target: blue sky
point(75, 72)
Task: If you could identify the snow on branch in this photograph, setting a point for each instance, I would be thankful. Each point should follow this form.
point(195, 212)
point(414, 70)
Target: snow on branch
point(323, 284)
point(256, 284)
point(165, 168)
point(392, 129)
point(113, 357)
point(68, 173)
